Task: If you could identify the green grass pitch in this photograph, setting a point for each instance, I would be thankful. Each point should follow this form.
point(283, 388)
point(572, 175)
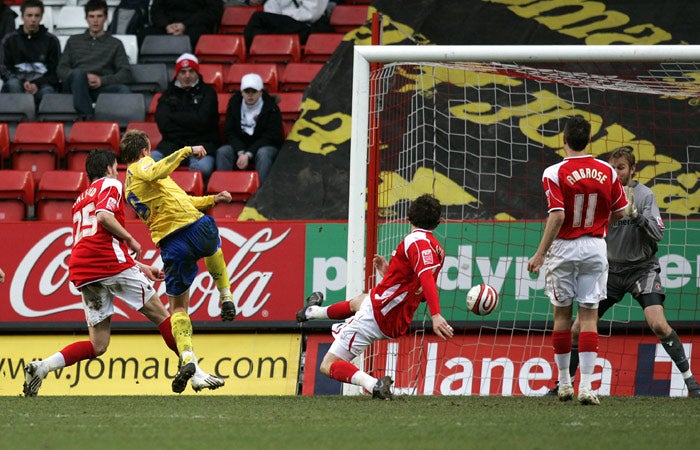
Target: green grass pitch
point(335, 422)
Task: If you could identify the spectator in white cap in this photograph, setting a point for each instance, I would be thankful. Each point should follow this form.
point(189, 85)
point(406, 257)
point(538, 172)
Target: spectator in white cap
point(188, 114)
point(253, 129)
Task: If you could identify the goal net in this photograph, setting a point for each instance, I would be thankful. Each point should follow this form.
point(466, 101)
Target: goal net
point(476, 127)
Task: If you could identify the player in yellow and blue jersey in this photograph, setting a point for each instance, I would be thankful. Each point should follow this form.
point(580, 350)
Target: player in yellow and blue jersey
point(183, 233)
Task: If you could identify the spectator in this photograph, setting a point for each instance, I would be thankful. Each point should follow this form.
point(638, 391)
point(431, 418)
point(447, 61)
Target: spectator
point(188, 114)
point(93, 62)
point(253, 129)
point(301, 17)
point(29, 56)
point(189, 17)
point(7, 20)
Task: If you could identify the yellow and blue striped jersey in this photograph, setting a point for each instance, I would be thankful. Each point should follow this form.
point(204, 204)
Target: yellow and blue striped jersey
point(157, 199)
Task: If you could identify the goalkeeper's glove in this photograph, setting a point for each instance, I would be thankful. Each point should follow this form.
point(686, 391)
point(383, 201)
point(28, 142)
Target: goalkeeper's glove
point(631, 209)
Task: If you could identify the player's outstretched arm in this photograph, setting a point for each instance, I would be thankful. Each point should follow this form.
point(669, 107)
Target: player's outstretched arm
point(152, 272)
point(380, 264)
point(441, 328)
point(111, 224)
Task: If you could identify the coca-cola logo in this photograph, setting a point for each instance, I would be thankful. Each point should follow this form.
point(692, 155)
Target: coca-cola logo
point(249, 286)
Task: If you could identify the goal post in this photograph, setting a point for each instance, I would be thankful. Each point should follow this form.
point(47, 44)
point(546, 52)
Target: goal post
point(477, 125)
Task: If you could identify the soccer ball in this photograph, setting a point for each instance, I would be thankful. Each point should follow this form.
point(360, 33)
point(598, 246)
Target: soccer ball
point(482, 299)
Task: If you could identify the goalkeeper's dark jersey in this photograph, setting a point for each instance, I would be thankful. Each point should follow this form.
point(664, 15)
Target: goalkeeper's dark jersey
point(633, 243)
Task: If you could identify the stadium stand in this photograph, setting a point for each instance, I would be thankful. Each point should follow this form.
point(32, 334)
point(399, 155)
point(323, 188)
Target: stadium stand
point(16, 194)
point(241, 184)
point(290, 105)
point(236, 17)
point(57, 192)
point(150, 128)
point(320, 46)
point(275, 48)
point(213, 74)
point(131, 46)
point(345, 18)
point(220, 48)
point(70, 20)
point(37, 147)
point(190, 181)
point(163, 48)
point(120, 108)
point(297, 76)
point(268, 72)
point(4, 144)
point(16, 108)
point(85, 136)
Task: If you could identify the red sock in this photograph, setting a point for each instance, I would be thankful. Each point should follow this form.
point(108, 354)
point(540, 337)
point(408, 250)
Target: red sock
point(167, 332)
point(343, 371)
point(588, 342)
point(339, 311)
point(78, 351)
point(561, 341)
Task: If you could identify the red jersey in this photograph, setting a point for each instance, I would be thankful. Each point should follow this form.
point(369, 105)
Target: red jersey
point(396, 298)
point(97, 254)
point(587, 190)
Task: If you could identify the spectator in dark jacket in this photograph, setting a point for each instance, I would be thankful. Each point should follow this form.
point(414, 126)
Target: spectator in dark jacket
point(7, 20)
point(94, 62)
point(253, 128)
point(29, 56)
point(188, 114)
point(189, 17)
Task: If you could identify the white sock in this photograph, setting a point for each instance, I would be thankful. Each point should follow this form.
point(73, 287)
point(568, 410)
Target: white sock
point(317, 312)
point(54, 362)
point(562, 361)
point(586, 364)
point(364, 379)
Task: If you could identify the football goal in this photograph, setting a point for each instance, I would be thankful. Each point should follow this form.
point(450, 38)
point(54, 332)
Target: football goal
point(476, 126)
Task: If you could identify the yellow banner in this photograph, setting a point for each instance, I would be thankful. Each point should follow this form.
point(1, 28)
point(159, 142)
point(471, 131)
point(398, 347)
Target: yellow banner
point(256, 364)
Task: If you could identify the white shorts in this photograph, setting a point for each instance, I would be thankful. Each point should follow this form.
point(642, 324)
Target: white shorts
point(577, 268)
point(131, 285)
point(351, 338)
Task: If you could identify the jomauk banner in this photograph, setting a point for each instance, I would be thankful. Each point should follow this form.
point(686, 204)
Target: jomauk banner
point(274, 265)
point(506, 365)
point(253, 364)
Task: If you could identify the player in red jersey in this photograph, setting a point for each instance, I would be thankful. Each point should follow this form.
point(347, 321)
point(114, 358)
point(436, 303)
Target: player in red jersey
point(387, 311)
point(583, 195)
point(101, 268)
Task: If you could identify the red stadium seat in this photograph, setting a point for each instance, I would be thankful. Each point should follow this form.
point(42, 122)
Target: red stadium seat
point(297, 76)
point(275, 48)
point(190, 181)
point(150, 128)
point(151, 113)
point(320, 46)
point(4, 143)
point(290, 105)
point(57, 192)
point(223, 99)
point(240, 184)
point(345, 18)
point(236, 17)
point(16, 194)
point(37, 147)
point(220, 48)
point(268, 73)
point(213, 74)
point(85, 136)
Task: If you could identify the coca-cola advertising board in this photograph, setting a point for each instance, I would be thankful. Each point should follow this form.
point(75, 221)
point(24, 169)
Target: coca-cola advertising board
point(265, 262)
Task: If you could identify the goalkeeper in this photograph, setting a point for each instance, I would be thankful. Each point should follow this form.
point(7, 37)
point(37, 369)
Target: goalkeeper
point(182, 232)
point(634, 267)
